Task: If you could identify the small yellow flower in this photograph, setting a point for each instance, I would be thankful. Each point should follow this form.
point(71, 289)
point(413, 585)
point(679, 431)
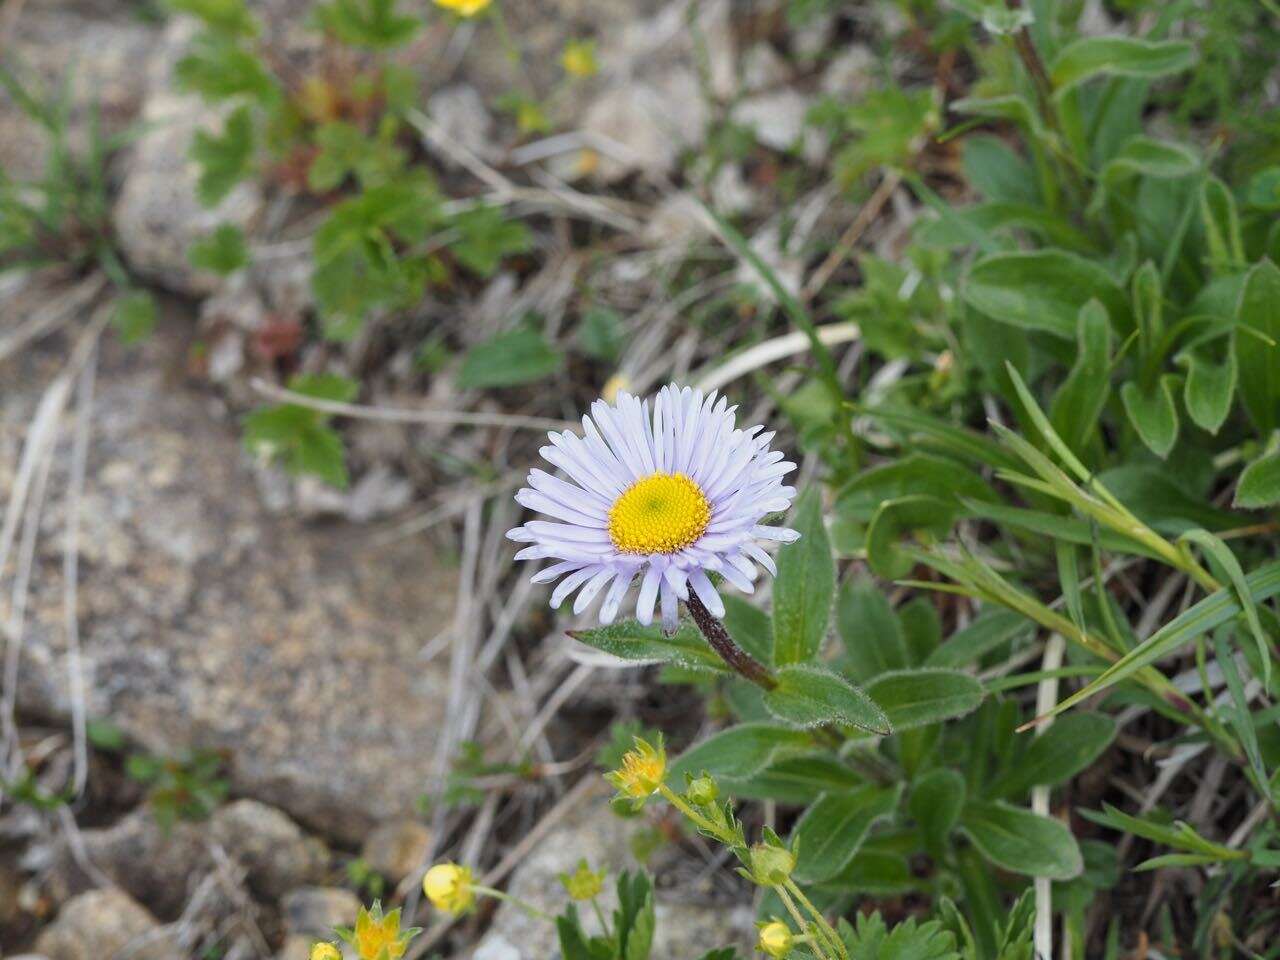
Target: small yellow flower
point(619, 381)
point(378, 936)
point(448, 887)
point(579, 59)
point(325, 951)
point(531, 118)
point(588, 163)
point(775, 939)
point(642, 772)
point(465, 8)
point(583, 883)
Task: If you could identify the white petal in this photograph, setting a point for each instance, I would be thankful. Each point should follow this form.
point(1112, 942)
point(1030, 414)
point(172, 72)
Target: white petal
point(706, 593)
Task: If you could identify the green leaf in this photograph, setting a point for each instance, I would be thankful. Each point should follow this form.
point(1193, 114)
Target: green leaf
point(1259, 485)
point(810, 695)
point(601, 335)
point(870, 630)
point(1226, 567)
point(799, 780)
point(1044, 290)
point(1145, 157)
point(224, 160)
point(992, 627)
point(298, 435)
point(134, 316)
point(230, 17)
point(1153, 414)
point(1064, 749)
point(325, 386)
point(633, 641)
point(936, 800)
point(831, 831)
point(223, 252)
point(1211, 612)
point(1090, 57)
point(219, 69)
point(803, 589)
point(486, 236)
point(917, 698)
point(1023, 842)
point(1258, 361)
point(910, 939)
point(1221, 220)
point(894, 520)
point(1079, 402)
point(374, 24)
point(741, 752)
point(1209, 388)
point(518, 356)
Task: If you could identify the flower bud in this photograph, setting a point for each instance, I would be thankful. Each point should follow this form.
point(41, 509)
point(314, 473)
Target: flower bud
point(771, 864)
point(448, 887)
point(325, 951)
point(775, 939)
point(583, 883)
point(703, 791)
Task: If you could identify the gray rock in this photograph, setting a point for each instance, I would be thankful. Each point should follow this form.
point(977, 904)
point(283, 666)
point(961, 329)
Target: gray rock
point(685, 927)
point(206, 622)
point(762, 68)
point(396, 848)
point(778, 120)
point(851, 74)
point(463, 118)
point(104, 923)
point(157, 215)
point(315, 911)
point(275, 852)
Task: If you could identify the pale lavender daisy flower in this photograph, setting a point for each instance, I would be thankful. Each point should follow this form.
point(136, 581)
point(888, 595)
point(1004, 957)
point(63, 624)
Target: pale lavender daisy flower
point(667, 493)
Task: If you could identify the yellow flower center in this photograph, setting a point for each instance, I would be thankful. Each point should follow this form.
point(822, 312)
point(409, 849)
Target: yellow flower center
point(662, 513)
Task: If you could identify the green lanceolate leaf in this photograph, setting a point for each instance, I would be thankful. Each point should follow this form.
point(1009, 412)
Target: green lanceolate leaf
point(832, 830)
point(1154, 414)
point(1091, 57)
point(936, 800)
point(1259, 485)
point(1080, 400)
point(750, 627)
point(1227, 568)
point(810, 695)
point(917, 698)
point(1020, 841)
point(1042, 291)
point(1209, 389)
point(1259, 360)
point(741, 752)
point(804, 586)
point(631, 640)
point(1070, 745)
point(991, 628)
point(872, 635)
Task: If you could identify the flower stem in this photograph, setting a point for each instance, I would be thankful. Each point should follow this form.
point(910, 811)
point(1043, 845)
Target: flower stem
point(514, 901)
point(738, 659)
point(821, 921)
point(819, 944)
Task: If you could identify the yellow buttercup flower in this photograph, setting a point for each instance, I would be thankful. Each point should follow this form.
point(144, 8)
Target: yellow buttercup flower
point(325, 951)
point(448, 887)
point(583, 883)
point(378, 936)
point(579, 59)
point(642, 772)
point(775, 939)
point(465, 8)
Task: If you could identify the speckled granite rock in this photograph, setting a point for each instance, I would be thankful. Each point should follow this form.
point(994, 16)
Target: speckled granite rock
point(205, 622)
point(688, 924)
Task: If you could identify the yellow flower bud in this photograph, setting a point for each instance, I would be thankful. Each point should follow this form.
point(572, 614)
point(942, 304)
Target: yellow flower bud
point(465, 8)
point(775, 939)
point(325, 951)
point(582, 884)
point(377, 936)
point(642, 772)
point(448, 887)
point(579, 59)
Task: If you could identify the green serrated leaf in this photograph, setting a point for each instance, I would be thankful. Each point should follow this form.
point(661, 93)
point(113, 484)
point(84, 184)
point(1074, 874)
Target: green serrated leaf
point(224, 159)
point(518, 356)
point(223, 252)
